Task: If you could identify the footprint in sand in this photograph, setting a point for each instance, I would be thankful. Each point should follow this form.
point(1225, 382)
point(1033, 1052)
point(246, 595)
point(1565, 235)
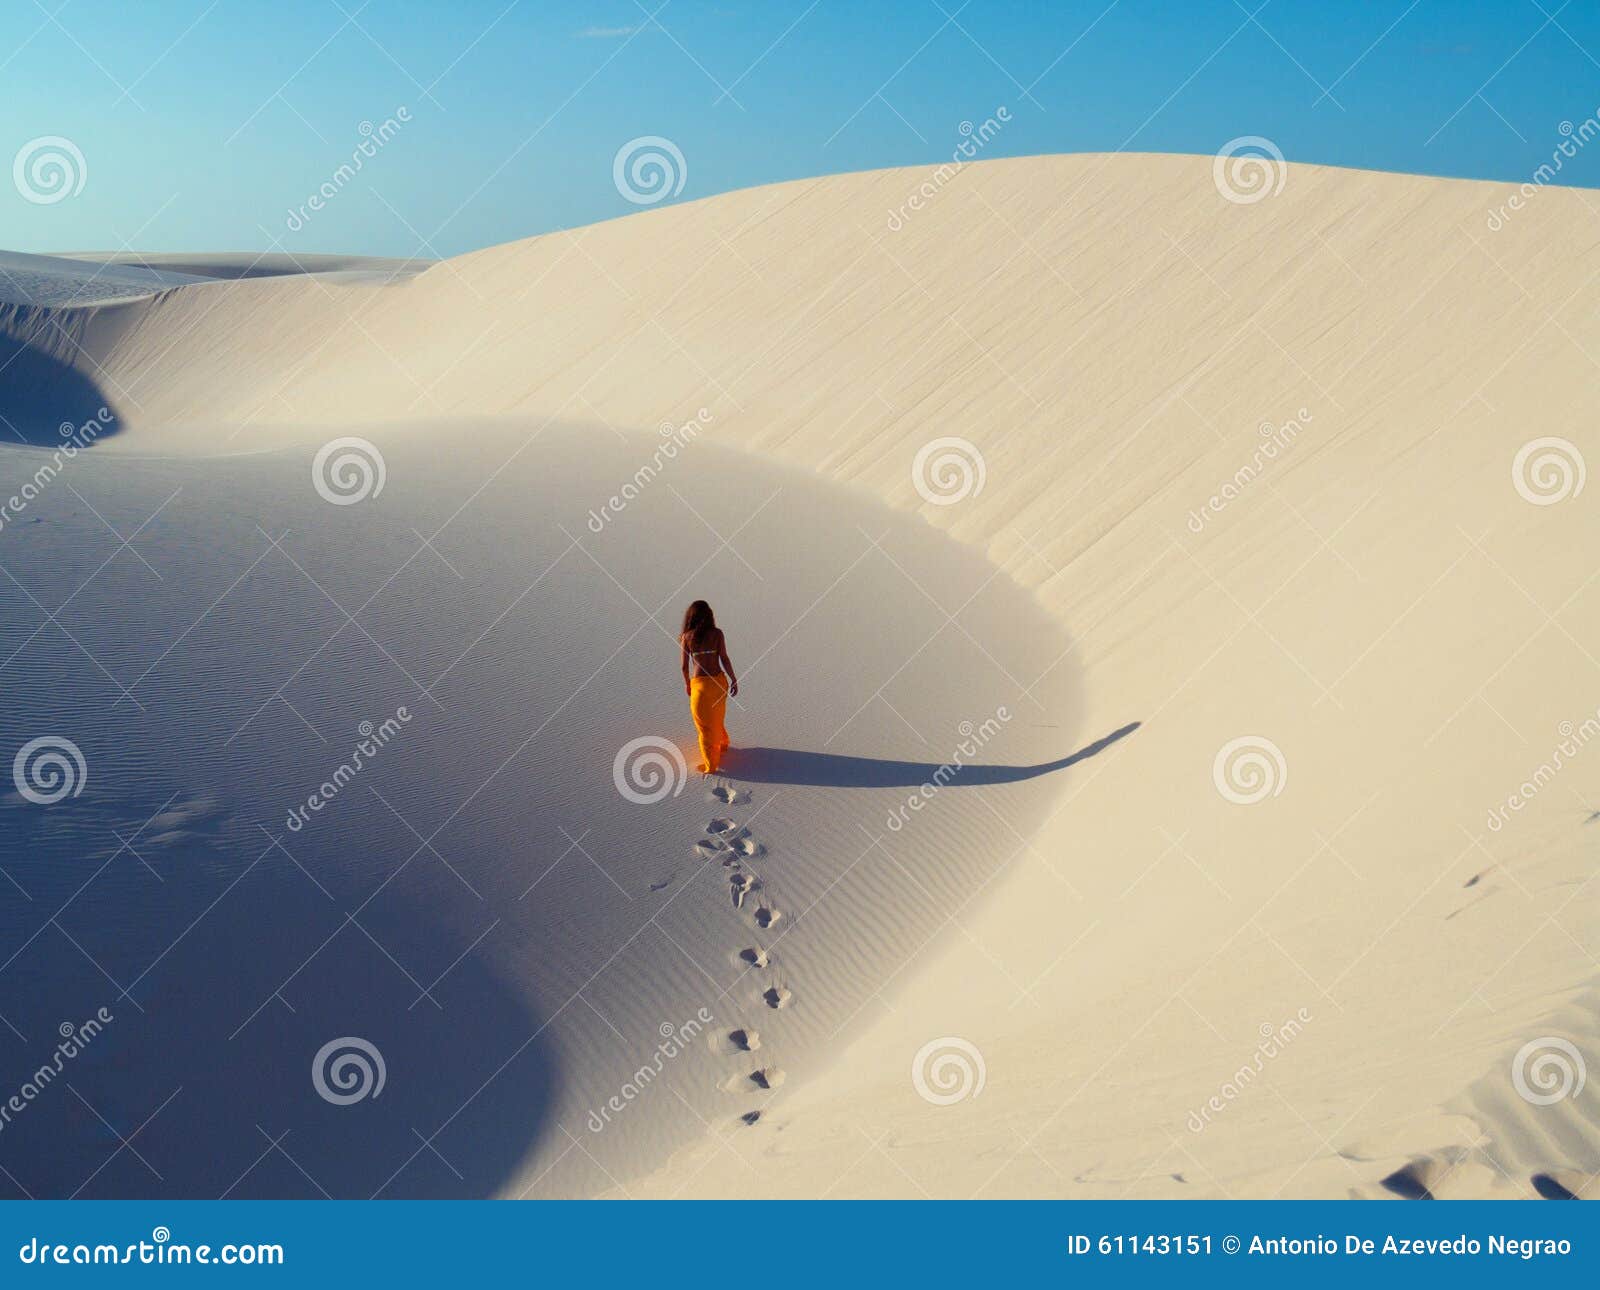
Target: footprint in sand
point(767, 1078)
point(727, 795)
point(1411, 1181)
point(766, 917)
point(755, 956)
point(746, 1039)
point(1552, 1188)
point(778, 997)
point(741, 885)
point(181, 818)
point(748, 847)
point(750, 1117)
point(720, 826)
point(710, 848)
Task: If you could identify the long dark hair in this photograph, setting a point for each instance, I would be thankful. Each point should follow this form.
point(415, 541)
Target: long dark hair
point(698, 623)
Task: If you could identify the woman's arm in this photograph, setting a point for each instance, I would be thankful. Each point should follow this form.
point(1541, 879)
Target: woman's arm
point(727, 663)
point(683, 658)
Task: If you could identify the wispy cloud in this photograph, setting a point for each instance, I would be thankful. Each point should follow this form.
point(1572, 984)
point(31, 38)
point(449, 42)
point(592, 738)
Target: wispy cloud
point(604, 33)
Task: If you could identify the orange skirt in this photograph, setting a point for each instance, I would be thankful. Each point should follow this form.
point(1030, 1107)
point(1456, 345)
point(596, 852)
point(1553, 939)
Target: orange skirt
point(708, 704)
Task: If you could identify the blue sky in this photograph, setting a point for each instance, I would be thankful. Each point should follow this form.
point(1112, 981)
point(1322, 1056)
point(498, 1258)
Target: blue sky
point(202, 124)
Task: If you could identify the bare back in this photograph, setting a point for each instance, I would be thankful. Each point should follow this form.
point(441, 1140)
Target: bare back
point(704, 653)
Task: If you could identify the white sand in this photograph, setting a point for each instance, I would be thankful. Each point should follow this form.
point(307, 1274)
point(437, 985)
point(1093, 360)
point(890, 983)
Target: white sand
point(1109, 938)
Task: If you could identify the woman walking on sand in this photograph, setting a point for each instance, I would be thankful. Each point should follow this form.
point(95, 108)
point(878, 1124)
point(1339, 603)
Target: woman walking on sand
point(708, 680)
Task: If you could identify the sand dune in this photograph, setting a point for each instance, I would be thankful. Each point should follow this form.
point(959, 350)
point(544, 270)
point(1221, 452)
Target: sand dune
point(1232, 516)
point(57, 280)
point(254, 264)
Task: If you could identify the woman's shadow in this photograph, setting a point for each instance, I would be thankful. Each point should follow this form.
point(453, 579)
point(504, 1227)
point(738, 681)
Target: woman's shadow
point(831, 770)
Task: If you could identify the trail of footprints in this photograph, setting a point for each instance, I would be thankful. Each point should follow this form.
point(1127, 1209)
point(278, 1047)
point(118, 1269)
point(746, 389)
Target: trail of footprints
point(727, 840)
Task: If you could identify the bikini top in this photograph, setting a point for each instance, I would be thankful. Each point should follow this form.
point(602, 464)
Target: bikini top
point(715, 652)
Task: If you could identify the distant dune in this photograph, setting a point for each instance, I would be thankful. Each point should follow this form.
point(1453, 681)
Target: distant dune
point(1217, 575)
